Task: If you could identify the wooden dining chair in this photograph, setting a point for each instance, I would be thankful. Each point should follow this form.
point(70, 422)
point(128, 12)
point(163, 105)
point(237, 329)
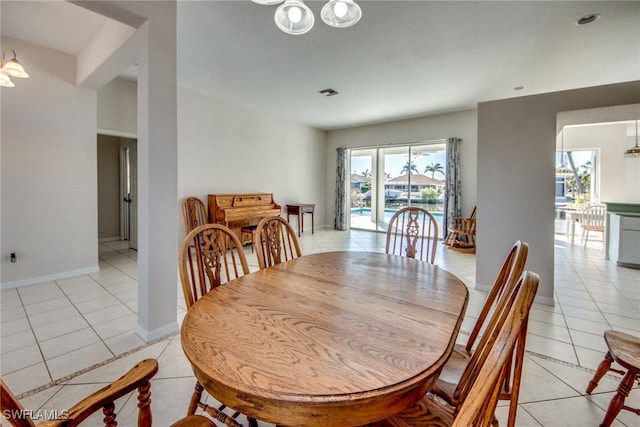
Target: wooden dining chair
point(624, 350)
point(455, 375)
point(275, 241)
point(194, 213)
point(413, 232)
point(480, 398)
point(136, 378)
point(210, 256)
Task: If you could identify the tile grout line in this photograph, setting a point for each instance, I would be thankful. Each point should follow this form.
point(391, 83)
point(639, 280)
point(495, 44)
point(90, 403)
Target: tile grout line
point(92, 367)
point(89, 368)
point(33, 332)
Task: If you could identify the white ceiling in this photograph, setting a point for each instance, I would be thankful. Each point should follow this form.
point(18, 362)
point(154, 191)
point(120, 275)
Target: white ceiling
point(403, 59)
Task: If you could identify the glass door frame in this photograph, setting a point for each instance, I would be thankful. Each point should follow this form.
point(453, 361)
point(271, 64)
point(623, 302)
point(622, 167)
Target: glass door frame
point(378, 192)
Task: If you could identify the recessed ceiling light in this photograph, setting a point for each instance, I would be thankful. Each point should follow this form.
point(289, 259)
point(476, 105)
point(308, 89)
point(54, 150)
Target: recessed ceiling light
point(588, 19)
point(328, 92)
point(519, 87)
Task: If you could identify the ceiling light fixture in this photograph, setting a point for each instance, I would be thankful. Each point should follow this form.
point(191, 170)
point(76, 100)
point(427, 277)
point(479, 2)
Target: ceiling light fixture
point(562, 170)
point(11, 68)
point(294, 17)
point(634, 152)
point(341, 13)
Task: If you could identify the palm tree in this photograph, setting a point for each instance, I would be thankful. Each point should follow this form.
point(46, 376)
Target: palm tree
point(433, 168)
point(574, 171)
point(585, 176)
point(409, 168)
point(586, 167)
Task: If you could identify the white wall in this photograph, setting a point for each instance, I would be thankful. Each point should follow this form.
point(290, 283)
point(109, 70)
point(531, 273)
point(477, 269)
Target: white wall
point(49, 172)
point(610, 140)
point(461, 124)
point(226, 148)
point(117, 106)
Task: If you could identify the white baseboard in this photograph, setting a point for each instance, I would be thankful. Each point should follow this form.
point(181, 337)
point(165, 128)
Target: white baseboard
point(49, 277)
point(539, 299)
point(544, 300)
point(148, 336)
point(109, 239)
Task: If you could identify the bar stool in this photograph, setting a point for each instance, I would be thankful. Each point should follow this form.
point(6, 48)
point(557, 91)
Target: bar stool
point(248, 229)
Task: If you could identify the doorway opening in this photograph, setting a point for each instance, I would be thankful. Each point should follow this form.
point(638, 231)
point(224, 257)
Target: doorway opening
point(577, 183)
point(117, 189)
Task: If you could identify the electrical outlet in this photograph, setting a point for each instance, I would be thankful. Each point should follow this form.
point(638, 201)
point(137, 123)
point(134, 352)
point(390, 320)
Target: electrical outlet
point(13, 258)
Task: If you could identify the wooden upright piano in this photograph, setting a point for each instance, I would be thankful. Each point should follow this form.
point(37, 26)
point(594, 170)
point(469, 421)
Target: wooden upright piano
point(240, 210)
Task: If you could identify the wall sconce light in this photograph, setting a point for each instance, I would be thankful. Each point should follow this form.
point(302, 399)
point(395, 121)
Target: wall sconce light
point(11, 68)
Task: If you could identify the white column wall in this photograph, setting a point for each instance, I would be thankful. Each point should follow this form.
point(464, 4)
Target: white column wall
point(154, 47)
point(157, 176)
point(516, 158)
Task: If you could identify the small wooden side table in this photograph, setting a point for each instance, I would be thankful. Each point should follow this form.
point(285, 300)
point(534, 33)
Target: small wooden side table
point(299, 210)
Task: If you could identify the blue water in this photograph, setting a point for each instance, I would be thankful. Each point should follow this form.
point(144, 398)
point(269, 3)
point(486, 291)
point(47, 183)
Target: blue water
point(388, 213)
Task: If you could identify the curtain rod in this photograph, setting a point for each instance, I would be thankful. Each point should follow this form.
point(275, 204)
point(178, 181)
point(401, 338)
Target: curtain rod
point(390, 144)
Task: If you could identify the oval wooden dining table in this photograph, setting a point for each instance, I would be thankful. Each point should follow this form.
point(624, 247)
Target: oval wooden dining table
point(328, 339)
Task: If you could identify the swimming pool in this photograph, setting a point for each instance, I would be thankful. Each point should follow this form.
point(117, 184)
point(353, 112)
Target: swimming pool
point(388, 213)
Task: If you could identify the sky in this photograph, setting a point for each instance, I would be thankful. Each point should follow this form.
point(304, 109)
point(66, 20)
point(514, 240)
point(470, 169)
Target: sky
point(395, 162)
point(580, 157)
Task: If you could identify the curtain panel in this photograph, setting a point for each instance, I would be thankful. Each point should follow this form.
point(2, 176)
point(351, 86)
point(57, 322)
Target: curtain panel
point(340, 221)
point(453, 201)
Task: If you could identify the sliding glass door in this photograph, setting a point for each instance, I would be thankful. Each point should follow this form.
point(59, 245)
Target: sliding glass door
point(385, 179)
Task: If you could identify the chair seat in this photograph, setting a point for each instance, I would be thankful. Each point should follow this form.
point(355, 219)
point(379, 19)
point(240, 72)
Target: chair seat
point(194, 421)
point(451, 373)
point(624, 348)
point(426, 412)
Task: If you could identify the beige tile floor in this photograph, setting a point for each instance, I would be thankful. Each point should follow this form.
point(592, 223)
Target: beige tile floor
point(63, 339)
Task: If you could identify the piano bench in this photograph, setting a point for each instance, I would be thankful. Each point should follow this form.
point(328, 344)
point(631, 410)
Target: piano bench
point(248, 229)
